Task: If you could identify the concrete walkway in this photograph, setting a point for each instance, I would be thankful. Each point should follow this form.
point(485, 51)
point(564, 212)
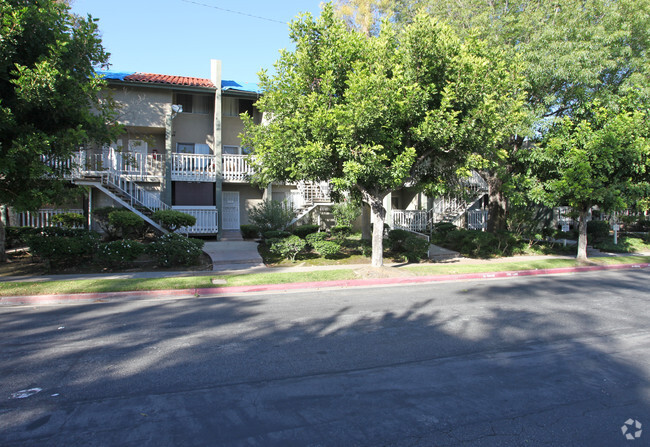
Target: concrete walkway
point(232, 254)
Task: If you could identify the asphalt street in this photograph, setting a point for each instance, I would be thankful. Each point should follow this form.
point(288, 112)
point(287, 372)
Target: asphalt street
point(561, 360)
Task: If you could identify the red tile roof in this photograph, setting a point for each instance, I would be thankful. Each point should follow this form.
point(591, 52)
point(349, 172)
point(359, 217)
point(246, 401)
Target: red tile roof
point(170, 80)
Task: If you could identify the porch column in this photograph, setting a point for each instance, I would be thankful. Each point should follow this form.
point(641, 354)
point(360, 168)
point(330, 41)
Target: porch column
point(388, 205)
point(166, 186)
point(215, 77)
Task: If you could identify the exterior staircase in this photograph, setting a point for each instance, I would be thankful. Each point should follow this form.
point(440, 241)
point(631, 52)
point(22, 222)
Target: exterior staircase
point(314, 195)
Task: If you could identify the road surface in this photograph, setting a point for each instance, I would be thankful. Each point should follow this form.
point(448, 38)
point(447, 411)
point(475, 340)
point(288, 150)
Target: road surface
point(554, 360)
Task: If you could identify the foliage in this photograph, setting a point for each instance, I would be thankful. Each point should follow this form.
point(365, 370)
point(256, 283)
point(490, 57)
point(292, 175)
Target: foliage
point(175, 249)
point(304, 230)
point(315, 237)
point(51, 100)
point(397, 238)
point(126, 223)
point(271, 215)
point(288, 247)
point(597, 157)
point(326, 249)
point(441, 229)
point(69, 220)
point(173, 220)
point(249, 231)
point(626, 244)
point(275, 234)
point(101, 217)
point(17, 236)
point(341, 230)
point(416, 248)
point(119, 253)
point(597, 229)
point(481, 244)
point(64, 248)
point(372, 114)
point(346, 213)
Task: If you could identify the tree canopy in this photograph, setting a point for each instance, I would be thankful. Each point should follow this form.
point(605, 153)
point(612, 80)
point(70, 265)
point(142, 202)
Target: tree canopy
point(372, 114)
point(50, 99)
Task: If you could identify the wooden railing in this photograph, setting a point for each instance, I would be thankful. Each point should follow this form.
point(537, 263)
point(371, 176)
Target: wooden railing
point(194, 167)
point(411, 220)
point(206, 219)
point(477, 219)
point(42, 217)
point(236, 168)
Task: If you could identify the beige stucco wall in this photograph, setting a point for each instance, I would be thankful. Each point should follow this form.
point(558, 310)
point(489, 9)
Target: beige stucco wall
point(142, 107)
point(193, 128)
point(232, 127)
point(249, 197)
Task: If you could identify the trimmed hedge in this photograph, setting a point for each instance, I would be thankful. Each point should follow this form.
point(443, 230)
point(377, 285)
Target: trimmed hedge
point(326, 249)
point(315, 237)
point(69, 220)
point(274, 234)
point(172, 220)
point(288, 247)
point(175, 249)
point(303, 230)
point(65, 248)
point(119, 253)
point(126, 222)
point(249, 231)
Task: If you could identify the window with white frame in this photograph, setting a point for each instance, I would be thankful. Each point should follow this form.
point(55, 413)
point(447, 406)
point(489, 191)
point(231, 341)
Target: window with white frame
point(231, 150)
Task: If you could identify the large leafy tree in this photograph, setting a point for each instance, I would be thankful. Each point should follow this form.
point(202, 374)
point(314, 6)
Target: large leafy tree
point(571, 51)
point(373, 114)
point(50, 99)
point(598, 156)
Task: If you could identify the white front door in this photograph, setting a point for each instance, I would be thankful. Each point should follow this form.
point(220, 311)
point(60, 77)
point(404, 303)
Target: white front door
point(230, 218)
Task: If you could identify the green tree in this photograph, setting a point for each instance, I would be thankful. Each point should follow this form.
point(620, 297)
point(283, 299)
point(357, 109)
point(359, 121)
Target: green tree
point(50, 98)
point(597, 157)
point(571, 52)
point(372, 114)
point(364, 15)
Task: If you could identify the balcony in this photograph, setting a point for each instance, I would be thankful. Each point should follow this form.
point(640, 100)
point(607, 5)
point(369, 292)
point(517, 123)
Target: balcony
point(193, 168)
point(236, 168)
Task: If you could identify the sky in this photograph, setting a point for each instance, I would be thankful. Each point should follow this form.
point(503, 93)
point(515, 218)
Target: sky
point(179, 37)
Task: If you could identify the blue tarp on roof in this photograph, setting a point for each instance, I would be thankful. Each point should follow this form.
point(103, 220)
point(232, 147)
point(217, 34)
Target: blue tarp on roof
point(240, 86)
point(115, 75)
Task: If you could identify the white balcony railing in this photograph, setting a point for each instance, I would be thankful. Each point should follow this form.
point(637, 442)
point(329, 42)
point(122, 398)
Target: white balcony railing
point(194, 167)
point(42, 217)
point(412, 220)
point(236, 168)
point(206, 219)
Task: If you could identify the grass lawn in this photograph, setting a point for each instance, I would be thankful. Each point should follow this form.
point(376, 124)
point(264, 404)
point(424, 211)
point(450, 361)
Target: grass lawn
point(199, 282)
point(626, 244)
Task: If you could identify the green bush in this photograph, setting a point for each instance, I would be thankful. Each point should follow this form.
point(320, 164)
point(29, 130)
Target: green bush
point(64, 250)
point(341, 230)
point(346, 213)
point(441, 230)
point(69, 220)
point(416, 248)
point(126, 223)
point(597, 229)
point(315, 237)
point(274, 234)
point(288, 247)
point(17, 236)
point(326, 249)
point(172, 220)
point(175, 249)
point(481, 244)
point(119, 253)
point(271, 215)
point(249, 231)
point(303, 230)
point(101, 217)
point(397, 238)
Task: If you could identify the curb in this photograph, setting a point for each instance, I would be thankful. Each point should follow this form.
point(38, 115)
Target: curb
point(81, 297)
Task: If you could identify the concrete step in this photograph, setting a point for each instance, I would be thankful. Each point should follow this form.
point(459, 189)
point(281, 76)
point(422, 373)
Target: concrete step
point(231, 235)
point(437, 253)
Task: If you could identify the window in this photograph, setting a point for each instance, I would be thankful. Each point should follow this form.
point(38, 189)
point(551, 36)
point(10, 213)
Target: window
point(233, 150)
point(185, 148)
point(246, 106)
point(230, 107)
point(185, 101)
point(203, 104)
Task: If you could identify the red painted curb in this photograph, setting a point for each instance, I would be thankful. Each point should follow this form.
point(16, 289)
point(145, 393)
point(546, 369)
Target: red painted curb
point(78, 297)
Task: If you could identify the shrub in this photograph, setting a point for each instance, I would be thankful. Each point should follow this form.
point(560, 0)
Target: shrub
point(326, 248)
point(315, 237)
point(69, 220)
point(416, 248)
point(249, 231)
point(175, 249)
point(172, 220)
point(341, 230)
point(17, 236)
point(597, 229)
point(64, 250)
point(346, 213)
point(288, 247)
point(397, 238)
point(101, 217)
point(275, 234)
point(271, 215)
point(119, 253)
point(126, 222)
point(441, 230)
point(303, 230)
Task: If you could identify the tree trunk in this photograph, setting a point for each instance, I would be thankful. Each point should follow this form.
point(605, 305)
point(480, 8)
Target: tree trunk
point(497, 203)
point(3, 248)
point(379, 214)
point(582, 235)
point(366, 233)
